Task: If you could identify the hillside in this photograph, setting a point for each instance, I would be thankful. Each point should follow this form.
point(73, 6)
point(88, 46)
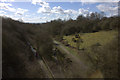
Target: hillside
point(60, 49)
point(17, 57)
point(98, 50)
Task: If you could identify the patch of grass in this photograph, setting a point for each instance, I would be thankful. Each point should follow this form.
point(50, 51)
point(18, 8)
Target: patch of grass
point(90, 39)
point(73, 51)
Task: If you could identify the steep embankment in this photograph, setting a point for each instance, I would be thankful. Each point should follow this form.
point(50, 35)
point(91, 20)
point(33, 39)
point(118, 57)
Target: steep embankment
point(17, 57)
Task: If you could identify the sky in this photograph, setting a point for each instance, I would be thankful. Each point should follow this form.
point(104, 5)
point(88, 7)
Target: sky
point(39, 11)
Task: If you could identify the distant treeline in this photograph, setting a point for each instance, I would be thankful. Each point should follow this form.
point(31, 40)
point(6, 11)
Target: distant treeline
point(91, 23)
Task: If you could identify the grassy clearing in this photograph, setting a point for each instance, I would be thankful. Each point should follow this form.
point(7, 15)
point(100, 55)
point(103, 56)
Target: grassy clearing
point(90, 39)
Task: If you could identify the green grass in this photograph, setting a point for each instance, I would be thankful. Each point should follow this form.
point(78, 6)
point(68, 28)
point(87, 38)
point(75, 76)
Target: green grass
point(90, 39)
point(73, 51)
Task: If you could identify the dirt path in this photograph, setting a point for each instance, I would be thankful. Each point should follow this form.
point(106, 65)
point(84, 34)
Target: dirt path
point(74, 58)
point(82, 69)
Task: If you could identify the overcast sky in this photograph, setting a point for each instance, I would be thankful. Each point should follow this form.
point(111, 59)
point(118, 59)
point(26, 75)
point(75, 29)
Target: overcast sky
point(39, 11)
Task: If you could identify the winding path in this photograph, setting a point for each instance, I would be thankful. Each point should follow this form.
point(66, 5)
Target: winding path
point(81, 67)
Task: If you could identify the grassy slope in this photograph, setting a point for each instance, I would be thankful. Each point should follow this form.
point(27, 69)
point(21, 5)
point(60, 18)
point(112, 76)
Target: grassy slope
point(90, 39)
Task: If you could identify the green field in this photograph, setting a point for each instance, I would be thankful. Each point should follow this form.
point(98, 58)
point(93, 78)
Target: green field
point(90, 39)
